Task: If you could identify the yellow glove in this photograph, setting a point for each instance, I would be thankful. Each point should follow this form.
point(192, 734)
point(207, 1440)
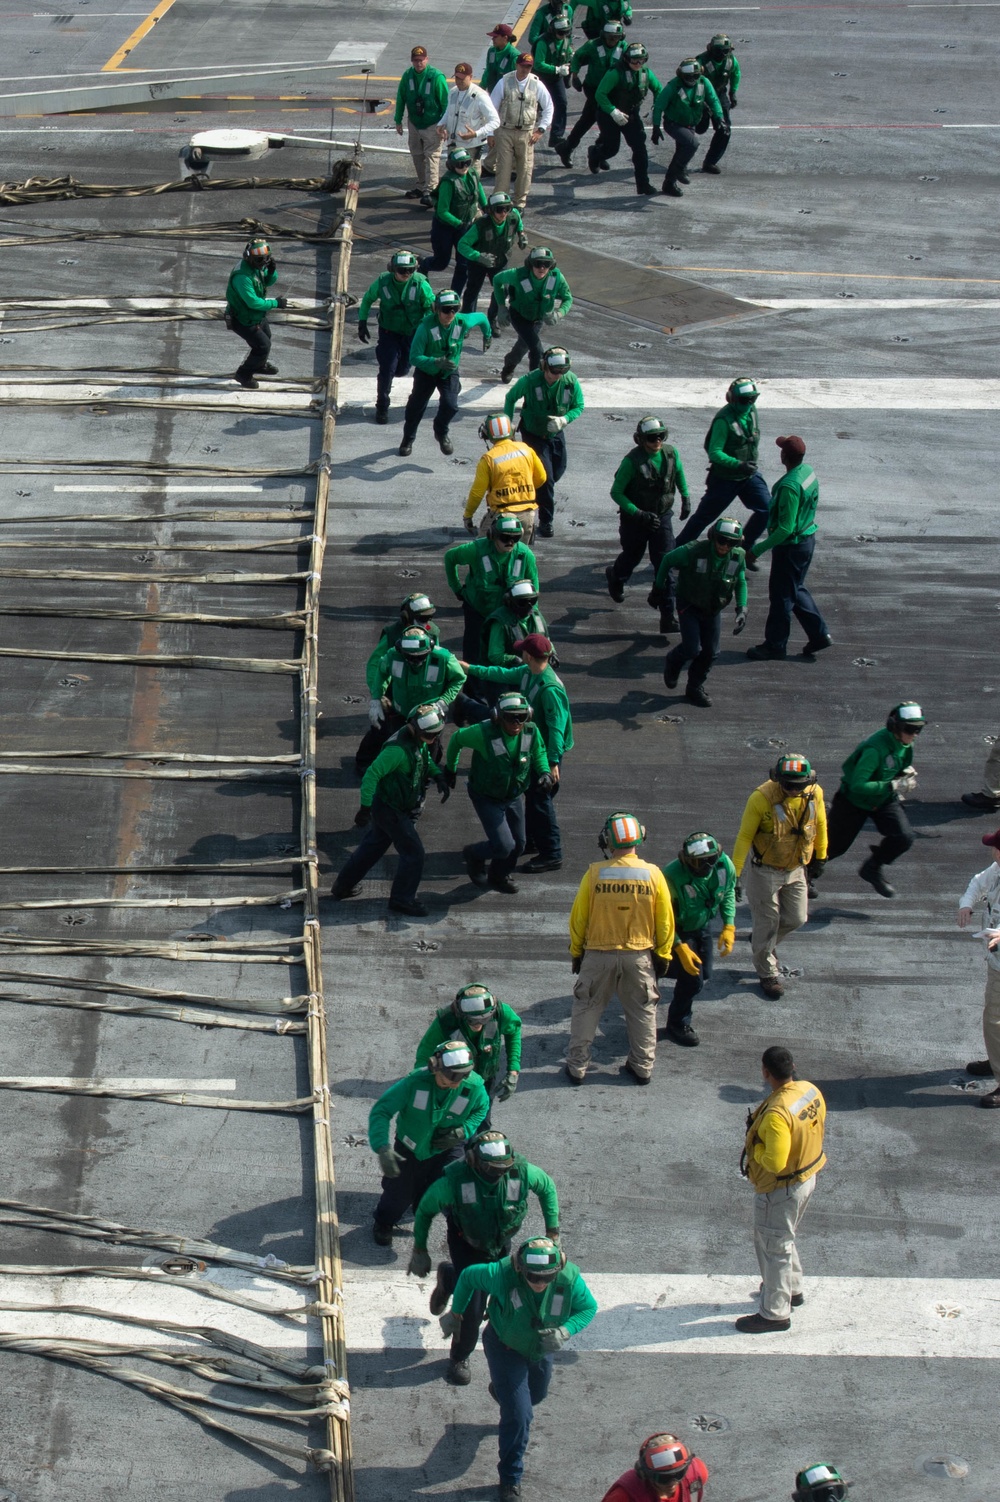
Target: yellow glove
point(727, 939)
point(688, 958)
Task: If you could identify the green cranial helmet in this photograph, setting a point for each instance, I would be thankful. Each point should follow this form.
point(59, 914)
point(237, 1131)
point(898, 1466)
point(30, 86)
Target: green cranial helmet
point(820, 1483)
point(459, 157)
point(689, 71)
point(512, 706)
point(635, 52)
point(613, 31)
point(454, 1058)
point(719, 46)
point(621, 832)
point(497, 203)
point(649, 427)
point(490, 1155)
point(256, 251)
point(726, 529)
point(505, 524)
point(415, 643)
point(447, 301)
point(474, 1004)
point(906, 716)
point(560, 27)
point(417, 608)
point(700, 852)
point(426, 721)
point(404, 262)
point(556, 359)
point(539, 1259)
point(522, 597)
point(794, 773)
point(540, 255)
point(742, 392)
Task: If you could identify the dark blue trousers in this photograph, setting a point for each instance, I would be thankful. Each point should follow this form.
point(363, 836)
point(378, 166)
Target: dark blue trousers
point(551, 449)
point(503, 826)
point(720, 493)
point(520, 1385)
point(444, 242)
point(699, 644)
point(687, 986)
point(541, 824)
point(388, 826)
point(424, 387)
point(789, 596)
point(392, 352)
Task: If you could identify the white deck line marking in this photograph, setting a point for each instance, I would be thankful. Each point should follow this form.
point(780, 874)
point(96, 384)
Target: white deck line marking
point(888, 394)
point(676, 1314)
point(162, 395)
point(874, 304)
point(159, 488)
point(352, 50)
point(157, 1302)
point(140, 304)
point(119, 1082)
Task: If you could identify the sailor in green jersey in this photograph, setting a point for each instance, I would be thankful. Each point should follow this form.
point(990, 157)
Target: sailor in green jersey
point(506, 750)
point(599, 14)
point(416, 610)
point(731, 443)
point(438, 1109)
point(436, 353)
point(501, 56)
point(423, 97)
point(404, 299)
point(597, 56)
point(392, 796)
point(531, 297)
point(543, 18)
point(791, 541)
point(875, 777)
point(459, 201)
point(680, 106)
point(711, 572)
point(643, 489)
point(484, 1200)
point(553, 56)
point(546, 693)
point(487, 245)
point(493, 565)
point(537, 1302)
point(621, 94)
point(415, 671)
point(516, 618)
point(553, 398)
point(702, 882)
point(247, 307)
point(722, 70)
point(487, 1025)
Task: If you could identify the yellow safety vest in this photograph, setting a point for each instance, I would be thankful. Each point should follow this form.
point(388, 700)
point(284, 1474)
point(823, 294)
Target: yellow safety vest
point(623, 905)
point(512, 480)
point(804, 1111)
point(790, 840)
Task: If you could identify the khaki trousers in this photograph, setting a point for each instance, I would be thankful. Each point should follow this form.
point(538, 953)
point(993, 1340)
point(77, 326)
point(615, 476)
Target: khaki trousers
point(776, 1219)
point(991, 1019)
point(528, 520)
point(425, 149)
point(603, 974)
point(779, 904)
point(515, 157)
point(991, 774)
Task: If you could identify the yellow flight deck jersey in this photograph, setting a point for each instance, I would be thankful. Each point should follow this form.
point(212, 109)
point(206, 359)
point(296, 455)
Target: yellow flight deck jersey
point(784, 1143)
point(623, 903)
point(508, 475)
point(784, 831)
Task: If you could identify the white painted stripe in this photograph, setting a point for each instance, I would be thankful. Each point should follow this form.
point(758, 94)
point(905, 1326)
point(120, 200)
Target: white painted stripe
point(349, 52)
point(140, 304)
point(147, 1300)
point(889, 394)
point(676, 1314)
point(165, 395)
point(158, 488)
point(118, 1082)
point(874, 304)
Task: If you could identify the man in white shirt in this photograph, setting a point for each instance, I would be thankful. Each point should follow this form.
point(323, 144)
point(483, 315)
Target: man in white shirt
point(985, 888)
point(470, 118)
point(524, 107)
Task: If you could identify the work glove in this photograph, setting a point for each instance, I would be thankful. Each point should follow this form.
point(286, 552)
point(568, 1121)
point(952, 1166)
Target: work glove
point(563, 70)
point(733, 101)
point(270, 264)
point(522, 242)
point(657, 135)
point(578, 86)
point(551, 318)
point(552, 1232)
point(555, 425)
point(376, 712)
point(446, 367)
point(487, 341)
point(650, 520)
point(577, 962)
point(450, 777)
point(619, 117)
point(281, 302)
point(450, 1323)
point(738, 891)
point(420, 1263)
point(446, 1137)
point(487, 261)
point(654, 598)
point(659, 966)
point(727, 939)
point(547, 783)
point(509, 1085)
point(905, 782)
point(685, 507)
point(741, 620)
point(363, 817)
point(721, 128)
point(502, 319)
point(363, 333)
point(390, 1162)
point(688, 958)
point(470, 527)
point(553, 1340)
point(745, 470)
point(626, 20)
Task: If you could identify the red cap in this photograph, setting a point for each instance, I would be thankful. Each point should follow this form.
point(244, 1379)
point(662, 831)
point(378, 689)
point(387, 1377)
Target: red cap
point(988, 839)
point(526, 57)
point(501, 30)
point(418, 52)
point(464, 68)
point(536, 645)
point(791, 448)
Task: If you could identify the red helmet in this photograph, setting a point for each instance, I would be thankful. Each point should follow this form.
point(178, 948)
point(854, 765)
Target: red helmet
point(663, 1458)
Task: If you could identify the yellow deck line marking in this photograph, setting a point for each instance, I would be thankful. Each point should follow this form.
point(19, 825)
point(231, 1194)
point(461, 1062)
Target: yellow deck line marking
point(854, 276)
point(526, 17)
point(114, 62)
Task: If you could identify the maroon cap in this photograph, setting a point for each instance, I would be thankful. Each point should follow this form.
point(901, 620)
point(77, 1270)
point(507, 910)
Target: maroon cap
point(988, 839)
point(418, 52)
point(464, 68)
point(793, 448)
point(536, 645)
point(502, 30)
point(526, 57)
